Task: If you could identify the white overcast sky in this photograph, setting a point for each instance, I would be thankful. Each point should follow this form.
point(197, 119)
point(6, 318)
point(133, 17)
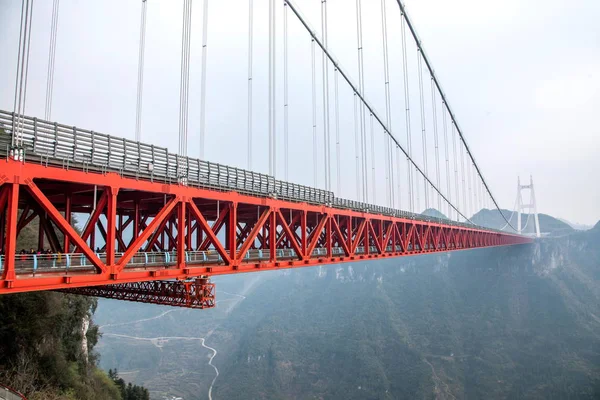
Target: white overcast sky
point(521, 76)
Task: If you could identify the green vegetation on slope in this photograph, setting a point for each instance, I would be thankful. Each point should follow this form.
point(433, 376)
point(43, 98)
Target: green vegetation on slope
point(128, 391)
point(47, 344)
point(46, 347)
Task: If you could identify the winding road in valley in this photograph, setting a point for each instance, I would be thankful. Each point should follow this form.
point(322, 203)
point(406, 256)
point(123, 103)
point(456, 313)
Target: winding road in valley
point(161, 341)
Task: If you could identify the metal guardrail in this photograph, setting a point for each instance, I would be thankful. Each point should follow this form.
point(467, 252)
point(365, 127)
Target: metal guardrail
point(38, 263)
point(51, 143)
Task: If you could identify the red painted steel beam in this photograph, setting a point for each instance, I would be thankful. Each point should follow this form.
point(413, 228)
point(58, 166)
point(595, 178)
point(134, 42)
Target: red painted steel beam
point(197, 294)
point(257, 219)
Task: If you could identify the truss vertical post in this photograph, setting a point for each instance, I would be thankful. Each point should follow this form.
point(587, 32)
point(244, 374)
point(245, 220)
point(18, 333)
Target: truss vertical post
point(66, 243)
point(303, 228)
point(181, 225)
point(272, 236)
point(11, 232)
point(232, 231)
point(189, 231)
point(111, 220)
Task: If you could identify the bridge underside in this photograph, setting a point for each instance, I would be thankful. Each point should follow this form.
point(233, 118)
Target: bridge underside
point(132, 230)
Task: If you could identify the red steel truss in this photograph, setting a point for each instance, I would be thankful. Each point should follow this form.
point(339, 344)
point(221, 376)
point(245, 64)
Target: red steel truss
point(198, 293)
point(198, 232)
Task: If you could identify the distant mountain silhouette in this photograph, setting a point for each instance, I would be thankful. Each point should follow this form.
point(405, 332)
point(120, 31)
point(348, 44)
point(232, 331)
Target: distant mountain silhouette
point(574, 225)
point(432, 212)
point(548, 224)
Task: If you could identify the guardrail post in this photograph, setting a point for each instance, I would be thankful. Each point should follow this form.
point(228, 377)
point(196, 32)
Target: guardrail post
point(55, 138)
point(111, 220)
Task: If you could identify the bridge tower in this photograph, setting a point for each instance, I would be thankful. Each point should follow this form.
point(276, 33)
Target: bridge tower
point(532, 205)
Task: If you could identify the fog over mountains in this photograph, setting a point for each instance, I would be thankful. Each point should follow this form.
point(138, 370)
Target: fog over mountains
point(505, 323)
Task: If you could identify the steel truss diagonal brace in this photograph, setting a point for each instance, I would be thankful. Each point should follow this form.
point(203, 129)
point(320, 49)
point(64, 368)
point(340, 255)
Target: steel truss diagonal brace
point(64, 225)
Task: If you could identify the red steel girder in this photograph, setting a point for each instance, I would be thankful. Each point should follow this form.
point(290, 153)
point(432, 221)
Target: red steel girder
point(182, 214)
point(198, 293)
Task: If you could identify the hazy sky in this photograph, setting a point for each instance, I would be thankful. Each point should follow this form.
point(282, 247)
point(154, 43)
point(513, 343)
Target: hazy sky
point(521, 76)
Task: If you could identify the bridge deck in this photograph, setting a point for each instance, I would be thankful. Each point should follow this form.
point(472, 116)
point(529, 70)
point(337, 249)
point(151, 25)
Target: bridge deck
point(185, 223)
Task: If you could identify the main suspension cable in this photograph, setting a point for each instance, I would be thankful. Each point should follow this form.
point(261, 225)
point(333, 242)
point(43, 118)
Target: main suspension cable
point(443, 96)
point(363, 100)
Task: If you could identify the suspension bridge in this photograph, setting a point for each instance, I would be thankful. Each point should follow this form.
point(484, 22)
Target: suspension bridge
point(155, 225)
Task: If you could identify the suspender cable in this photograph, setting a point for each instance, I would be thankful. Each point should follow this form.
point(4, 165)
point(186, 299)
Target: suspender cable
point(22, 70)
point(314, 110)
point(470, 207)
point(285, 91)
point(398, 175)
point(271, 16)
point(423, 131)
point(462, 175)
point(274, 88)
point(389, 170)
point(437, 144)
point(337, 134)
point(22, 111)
point(373, 160)
point(51, 60)
point(443, 96)
point(326, 127)
point(357, 149)
point(446, 153)
point(250, 50)
point(361, 86)
point(140, 82)
point(19, 76)
point(411, 198)
point(364, 101)
point(203, 78)
point(455, 154)
point(185, 77)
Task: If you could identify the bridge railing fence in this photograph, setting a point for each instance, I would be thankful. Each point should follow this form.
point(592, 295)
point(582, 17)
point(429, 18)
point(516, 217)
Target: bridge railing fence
point(51, 143)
